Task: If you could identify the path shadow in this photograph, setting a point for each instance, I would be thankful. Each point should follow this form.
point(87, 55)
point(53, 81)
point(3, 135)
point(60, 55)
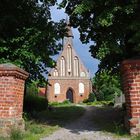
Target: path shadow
point(106, 119)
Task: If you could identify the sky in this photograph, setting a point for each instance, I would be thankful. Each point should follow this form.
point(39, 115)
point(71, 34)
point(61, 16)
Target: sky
point(81, 49)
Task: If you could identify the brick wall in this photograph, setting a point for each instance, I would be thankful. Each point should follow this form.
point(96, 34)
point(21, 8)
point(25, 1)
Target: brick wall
point(42, 92)
point(12, 81)
point(131, 88)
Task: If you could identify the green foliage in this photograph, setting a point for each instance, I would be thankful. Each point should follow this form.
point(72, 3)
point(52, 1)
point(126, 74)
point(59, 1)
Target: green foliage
point(4, 138)
point(28, 36)
point(33, 131)
point(107, 86)
point(111, 25)
point(32, 88)
point(85, 101)
point(91, 97)
point(36, 129)
point(34, 103)
point(64, 103)
point(54, 103)
point(100, 103)
point(16, 134)
point(136, 138)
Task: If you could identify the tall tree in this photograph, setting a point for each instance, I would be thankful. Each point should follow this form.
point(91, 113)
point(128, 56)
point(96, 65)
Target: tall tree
point(28, 36)
point(114, 26)
point(107, 86)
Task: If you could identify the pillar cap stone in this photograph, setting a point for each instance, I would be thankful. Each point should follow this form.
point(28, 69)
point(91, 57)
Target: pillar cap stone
point(8, 69)
point(130, 65)
point(131, 61)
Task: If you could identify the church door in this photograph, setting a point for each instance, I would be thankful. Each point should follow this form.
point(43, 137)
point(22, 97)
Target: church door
point(69, 95)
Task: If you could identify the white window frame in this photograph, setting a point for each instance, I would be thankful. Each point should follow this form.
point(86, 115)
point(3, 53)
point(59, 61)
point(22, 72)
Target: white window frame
point(56, 88)
point(81, 88)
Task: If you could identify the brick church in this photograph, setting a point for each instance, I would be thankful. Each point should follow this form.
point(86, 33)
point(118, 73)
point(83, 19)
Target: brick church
point(69, 79)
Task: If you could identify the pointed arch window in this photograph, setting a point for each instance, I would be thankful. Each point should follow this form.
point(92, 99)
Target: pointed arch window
point(55, 73)
point(83, 74)
point(76, 66)
point(56, 88)
point(69, 58)
point(62, 66)
point(81, 88)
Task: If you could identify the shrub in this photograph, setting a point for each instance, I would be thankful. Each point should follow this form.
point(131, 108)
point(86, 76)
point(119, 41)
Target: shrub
point(54, 103)
point(85, 101)
point(34, 103)
point(91, 97)
point(107, 85)
point(100, 96)
point(32, 88)
point(66, 102)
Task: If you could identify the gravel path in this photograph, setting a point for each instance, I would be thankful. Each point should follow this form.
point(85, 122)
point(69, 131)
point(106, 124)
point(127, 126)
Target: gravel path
point(82, 129)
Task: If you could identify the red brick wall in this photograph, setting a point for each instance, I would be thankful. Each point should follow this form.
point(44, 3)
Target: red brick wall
point(65, 84)
point(131, 87)
point(12, 81)
point(42, 92)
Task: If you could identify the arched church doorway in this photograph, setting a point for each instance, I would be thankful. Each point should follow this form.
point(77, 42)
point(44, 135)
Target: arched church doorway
point(69, 95)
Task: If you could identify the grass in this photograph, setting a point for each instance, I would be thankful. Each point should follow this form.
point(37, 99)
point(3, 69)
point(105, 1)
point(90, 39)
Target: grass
point(100, 103)
point(110, 120)
point(34, 131)
point(61, 114)
point(44, 123)
point(64, 103)
point(33, 102)
point(2, 138)
point(136, 137)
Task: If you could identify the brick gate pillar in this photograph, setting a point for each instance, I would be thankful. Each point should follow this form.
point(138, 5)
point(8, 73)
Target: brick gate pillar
point(131, 88)
point(12, 81)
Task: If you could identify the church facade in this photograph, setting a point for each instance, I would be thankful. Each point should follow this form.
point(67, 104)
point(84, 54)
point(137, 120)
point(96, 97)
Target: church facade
point(69, 80)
